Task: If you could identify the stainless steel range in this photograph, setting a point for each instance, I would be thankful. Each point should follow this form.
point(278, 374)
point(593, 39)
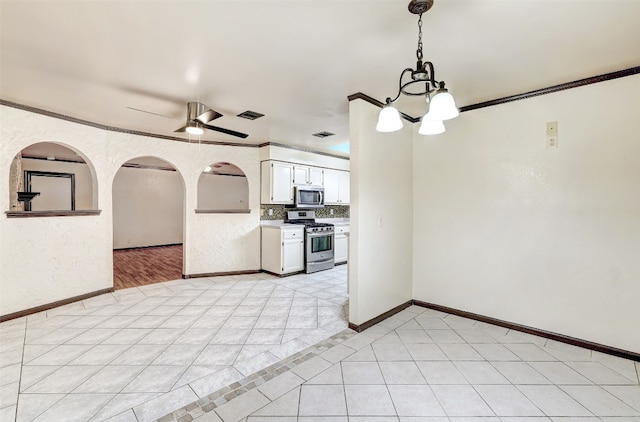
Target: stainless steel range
point(318, 240)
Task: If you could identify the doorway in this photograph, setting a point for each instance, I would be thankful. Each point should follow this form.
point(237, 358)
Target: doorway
point(148, 223)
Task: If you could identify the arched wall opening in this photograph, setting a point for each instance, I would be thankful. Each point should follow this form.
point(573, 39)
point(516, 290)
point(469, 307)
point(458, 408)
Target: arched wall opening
point(51, 176)
point(223, 186)
point(148, 222)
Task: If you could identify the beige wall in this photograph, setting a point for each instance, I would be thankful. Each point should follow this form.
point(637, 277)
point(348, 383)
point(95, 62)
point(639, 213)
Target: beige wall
point(380, 242)
point(83, 182)
point(220, 192)
point(148, 207)
point(548, 238)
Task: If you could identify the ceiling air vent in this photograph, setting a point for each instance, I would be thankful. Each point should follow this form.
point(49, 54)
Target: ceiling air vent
point(323, 134)
point(251, 115)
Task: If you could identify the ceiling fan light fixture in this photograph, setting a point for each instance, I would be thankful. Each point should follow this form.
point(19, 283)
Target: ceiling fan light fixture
point(194, 129)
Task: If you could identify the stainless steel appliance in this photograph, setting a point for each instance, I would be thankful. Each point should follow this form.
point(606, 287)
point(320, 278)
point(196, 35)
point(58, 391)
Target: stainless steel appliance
point(319, 240)
point(309, 197)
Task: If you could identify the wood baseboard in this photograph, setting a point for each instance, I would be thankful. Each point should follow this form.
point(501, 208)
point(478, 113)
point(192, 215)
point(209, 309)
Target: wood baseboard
point(535, 331)
point(379, 318)
point(218, 274)
point(51, 305)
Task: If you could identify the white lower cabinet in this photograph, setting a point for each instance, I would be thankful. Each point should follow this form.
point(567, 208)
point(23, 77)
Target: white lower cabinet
point(341, 244)
point(283, 249)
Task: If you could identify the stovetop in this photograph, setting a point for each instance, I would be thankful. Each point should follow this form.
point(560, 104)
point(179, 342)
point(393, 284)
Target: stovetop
point(308, 218)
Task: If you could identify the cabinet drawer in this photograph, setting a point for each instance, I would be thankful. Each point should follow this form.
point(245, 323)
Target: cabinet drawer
point(341, 229)
point(292, 234)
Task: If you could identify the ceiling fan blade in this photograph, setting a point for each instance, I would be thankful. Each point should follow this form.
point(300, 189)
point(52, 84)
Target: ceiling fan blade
point(227, 131)
point(208, 116)
point(152, 113)
point(182, 129)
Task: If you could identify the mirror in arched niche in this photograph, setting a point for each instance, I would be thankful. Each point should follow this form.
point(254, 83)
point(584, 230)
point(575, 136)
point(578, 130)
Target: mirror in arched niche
point(48, 176)
point(223, 187)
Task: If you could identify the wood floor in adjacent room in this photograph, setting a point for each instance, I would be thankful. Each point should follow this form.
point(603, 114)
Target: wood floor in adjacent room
point(142, 266)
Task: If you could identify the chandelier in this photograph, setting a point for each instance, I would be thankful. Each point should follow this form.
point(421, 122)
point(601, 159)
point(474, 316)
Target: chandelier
point(420, 81)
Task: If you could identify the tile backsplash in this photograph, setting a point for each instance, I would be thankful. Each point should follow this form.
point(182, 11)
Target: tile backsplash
point(280, 212)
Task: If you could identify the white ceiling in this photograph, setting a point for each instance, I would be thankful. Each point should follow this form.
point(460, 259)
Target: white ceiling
point(294, 61)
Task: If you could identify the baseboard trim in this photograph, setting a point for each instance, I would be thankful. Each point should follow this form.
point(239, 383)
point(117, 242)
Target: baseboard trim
point(379, 318)
point(146, 247)
point(535, 331)
point(51, 305)
point(219, 274)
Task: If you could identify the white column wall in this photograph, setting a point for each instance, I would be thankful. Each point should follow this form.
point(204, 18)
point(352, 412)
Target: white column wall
point(548, 238)
point(46, 259)
point(380, 242)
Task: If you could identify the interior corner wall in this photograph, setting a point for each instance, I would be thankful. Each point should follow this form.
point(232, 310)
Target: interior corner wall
point(549, 238)
point(380, 241)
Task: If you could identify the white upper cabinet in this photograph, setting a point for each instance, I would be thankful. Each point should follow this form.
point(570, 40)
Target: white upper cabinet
point(316, 176)
point(336, 187)
point(306, 175)
point(277, 183)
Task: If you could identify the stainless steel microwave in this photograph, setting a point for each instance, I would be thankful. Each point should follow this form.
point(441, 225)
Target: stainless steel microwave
point(309, 197)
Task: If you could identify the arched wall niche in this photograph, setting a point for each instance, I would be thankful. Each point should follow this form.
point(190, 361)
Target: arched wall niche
point(223, 187)
point(64, 177)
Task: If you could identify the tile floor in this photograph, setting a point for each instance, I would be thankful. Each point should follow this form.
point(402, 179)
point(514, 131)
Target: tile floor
point(140, 353)
point(426, 366)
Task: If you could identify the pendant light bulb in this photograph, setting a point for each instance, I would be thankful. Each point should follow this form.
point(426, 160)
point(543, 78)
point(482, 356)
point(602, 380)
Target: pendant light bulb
point(443, 106)
point(429, 126)
point(389, 119)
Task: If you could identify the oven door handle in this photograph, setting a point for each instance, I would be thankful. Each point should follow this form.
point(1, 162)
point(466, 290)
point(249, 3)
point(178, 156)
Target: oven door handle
point(320, 234)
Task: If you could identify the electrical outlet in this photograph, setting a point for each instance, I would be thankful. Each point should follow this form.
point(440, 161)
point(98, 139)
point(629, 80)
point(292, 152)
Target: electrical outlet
point(270, 211)
point(330, 211)
point(552, 142)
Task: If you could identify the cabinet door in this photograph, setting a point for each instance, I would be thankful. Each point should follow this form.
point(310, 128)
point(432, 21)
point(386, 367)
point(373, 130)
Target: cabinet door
point(341, 250)
point(292, 255)
point(315, 176)
point(281, 183)
point(300, 175)
point(345, 187)
point(331, 187)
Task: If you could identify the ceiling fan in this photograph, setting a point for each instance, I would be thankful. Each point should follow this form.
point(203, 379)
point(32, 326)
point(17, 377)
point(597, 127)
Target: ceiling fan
point(198, 119)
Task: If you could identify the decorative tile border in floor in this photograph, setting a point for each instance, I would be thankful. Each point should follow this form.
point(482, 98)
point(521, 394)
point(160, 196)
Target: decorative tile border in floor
point(224, 395)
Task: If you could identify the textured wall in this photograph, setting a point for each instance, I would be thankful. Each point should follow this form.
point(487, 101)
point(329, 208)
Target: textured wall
point(380, 243)
point(548, 238)
point(53, 258)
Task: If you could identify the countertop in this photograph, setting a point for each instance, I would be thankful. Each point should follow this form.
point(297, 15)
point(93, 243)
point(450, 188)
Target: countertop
point(277, 224)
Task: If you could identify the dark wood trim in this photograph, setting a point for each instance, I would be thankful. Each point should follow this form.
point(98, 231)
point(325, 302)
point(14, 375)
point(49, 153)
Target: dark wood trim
point(549, 90)
point(297, 148)
point(51, 305)
point(117, 129)
point(229, 211)
point(371, 100)
point(555, 88)
point(379, 318)
point(29, 214)
point(222, 273)
point(28, 174)
point(147, 167)
point(534, 331)
point(145, 247)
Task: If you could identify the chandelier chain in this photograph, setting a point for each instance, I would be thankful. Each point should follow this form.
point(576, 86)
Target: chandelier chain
point(419, 51)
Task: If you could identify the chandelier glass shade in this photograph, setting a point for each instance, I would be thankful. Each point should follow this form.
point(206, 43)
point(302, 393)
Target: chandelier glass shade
point(420, 81)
